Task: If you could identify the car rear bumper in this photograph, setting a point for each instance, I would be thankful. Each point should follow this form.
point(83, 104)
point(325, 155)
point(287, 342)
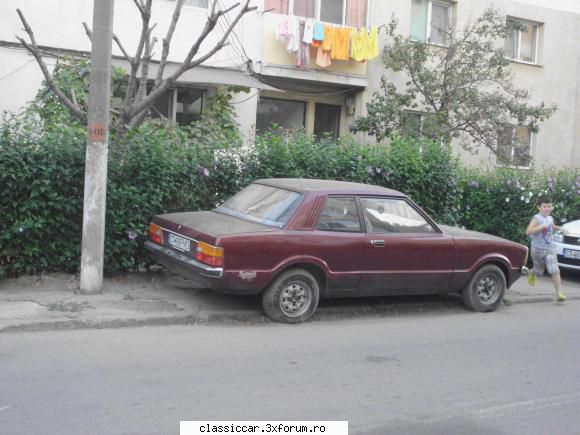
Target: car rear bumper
point(185, 265)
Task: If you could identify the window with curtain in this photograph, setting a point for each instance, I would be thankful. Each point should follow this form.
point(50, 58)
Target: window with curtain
point(356, 13)
point(348, 12)
point(522, 39)
point(195, 3)
point(276, 6)
point(305, 8)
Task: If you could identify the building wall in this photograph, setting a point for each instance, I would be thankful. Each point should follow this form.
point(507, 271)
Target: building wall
point(57, 23)
point(554, 80)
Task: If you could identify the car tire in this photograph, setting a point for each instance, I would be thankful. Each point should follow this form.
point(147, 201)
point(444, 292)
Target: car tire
point(485, 290)
point(292, 297)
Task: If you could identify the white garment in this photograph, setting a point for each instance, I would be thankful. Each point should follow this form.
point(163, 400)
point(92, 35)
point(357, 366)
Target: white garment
point(294, 32)
point(308, 31)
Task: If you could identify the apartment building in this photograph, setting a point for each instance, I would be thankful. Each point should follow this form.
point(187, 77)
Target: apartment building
point(294, 86)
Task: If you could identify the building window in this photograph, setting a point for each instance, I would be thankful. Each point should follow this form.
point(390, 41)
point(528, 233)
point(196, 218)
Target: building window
point(415, 124)
point(189, 103)
point(194, 3)
point(521, 41)
point(326, 121)
point(282, 114)
point(411, 123)
point(181, 105)
point(430, 21)
point(345, 12)
point(514, 146)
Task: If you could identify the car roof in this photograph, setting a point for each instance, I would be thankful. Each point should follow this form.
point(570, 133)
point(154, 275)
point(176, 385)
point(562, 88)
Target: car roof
point(328, 186)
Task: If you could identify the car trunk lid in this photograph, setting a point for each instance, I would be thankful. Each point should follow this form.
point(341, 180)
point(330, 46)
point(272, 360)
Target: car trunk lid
point(183, 231)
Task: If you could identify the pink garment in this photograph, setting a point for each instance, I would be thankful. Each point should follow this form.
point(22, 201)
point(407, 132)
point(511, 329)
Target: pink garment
point(282, 33)
point(323, 57)
point(303, 54)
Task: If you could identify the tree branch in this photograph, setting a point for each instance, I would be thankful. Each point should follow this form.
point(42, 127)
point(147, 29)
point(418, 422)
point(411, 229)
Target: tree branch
point(188, 63)
point(145, 11)
point(33, 49)
point(167, 41)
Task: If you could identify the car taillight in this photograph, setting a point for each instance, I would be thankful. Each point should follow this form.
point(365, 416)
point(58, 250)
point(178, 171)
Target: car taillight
point(209, 254)
point(155, 234)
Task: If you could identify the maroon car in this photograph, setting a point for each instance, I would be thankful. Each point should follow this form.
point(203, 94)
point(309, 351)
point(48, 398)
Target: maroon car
point(297, 240)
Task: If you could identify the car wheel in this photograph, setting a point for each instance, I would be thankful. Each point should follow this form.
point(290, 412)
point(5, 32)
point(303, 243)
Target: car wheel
point(485, 290)
point(292, 297)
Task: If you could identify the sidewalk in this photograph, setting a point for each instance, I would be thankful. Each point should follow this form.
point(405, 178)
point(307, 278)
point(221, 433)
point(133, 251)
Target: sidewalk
point(52, 302)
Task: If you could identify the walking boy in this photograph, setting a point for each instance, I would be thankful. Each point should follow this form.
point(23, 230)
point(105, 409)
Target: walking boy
point(541, 230)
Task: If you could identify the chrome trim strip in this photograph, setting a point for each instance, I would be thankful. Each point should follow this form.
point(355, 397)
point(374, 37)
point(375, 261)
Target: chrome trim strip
point(202, 269)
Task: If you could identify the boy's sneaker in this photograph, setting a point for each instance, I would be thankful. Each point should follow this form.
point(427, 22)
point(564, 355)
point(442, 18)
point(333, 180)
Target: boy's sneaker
point(561, 297)
point(532, 279)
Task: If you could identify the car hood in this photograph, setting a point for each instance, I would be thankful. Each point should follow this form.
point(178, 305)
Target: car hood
point(214, 224)
point(468, 234)
point(573, 228)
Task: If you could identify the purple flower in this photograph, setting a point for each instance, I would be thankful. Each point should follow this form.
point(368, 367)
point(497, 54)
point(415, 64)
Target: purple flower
point(205, 172)
point(132, 235)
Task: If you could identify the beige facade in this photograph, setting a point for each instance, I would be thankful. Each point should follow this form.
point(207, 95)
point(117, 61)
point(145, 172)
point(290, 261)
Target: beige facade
point(316, 97)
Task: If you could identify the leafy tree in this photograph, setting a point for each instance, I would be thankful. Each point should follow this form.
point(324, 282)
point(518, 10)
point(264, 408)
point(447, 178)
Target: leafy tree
point(464, 90)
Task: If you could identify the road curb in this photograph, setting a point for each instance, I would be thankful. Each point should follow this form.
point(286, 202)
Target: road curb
point(213, 317)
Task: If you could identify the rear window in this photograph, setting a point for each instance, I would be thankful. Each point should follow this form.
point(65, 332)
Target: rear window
point(264, 204)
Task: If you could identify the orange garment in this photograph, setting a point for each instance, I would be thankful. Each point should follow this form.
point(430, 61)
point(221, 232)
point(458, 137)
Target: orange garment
point(316, 43)
point(341, 44)
point(328, 37)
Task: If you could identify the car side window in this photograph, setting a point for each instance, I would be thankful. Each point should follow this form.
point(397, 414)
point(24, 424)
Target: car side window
point(391, 215)
point(339, 214)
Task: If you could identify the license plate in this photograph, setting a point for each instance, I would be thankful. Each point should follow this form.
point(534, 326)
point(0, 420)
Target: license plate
point(178, 242)
point(571, 253)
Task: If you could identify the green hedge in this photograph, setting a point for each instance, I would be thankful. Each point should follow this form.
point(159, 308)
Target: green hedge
point(157, 170)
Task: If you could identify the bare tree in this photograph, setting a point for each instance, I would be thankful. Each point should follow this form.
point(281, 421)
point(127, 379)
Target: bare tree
point(141, 93)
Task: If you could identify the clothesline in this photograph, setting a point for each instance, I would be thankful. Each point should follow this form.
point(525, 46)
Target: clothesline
point(333, 42)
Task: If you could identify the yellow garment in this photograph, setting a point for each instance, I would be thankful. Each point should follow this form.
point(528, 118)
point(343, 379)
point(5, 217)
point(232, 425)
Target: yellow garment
point(328, 37)
point(359, 45)
point(372, 43)
point(341, 44)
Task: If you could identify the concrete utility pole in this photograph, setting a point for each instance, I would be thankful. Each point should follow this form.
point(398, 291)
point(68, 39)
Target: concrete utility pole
point(97, 149)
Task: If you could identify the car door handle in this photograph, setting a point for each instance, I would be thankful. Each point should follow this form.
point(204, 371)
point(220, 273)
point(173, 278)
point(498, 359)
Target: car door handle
point(378, 243)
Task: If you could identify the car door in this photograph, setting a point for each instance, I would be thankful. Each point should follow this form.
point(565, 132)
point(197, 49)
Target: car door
point(404, 252)
point(339, 240)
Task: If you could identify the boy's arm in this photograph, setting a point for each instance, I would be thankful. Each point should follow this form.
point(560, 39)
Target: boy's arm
point(534, 227)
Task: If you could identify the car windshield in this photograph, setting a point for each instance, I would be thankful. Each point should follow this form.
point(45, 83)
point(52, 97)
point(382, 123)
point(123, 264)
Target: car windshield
point(264, 204)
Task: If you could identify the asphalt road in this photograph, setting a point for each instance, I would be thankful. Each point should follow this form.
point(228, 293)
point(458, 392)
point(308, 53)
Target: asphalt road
point(439, 372)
